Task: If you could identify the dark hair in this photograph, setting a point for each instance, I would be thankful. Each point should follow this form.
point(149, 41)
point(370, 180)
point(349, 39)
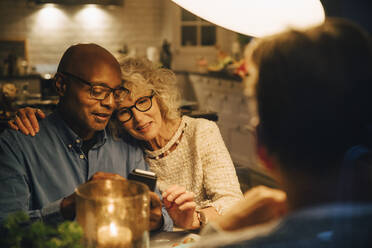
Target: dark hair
point(314, 92)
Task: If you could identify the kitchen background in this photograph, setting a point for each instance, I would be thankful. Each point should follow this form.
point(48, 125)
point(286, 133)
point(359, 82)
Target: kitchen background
point(138, 24)
point(206, 58)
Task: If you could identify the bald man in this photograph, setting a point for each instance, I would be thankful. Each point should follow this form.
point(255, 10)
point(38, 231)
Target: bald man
point(39, 174)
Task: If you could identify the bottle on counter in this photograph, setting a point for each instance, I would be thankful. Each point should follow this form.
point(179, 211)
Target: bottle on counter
point(24, 94)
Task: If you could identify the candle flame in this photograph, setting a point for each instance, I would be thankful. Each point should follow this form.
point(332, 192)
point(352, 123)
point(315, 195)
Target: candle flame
point(113, 229)
point(110, 208)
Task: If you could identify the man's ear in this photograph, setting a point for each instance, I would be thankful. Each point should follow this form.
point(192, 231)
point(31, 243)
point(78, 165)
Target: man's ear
point(60, 85)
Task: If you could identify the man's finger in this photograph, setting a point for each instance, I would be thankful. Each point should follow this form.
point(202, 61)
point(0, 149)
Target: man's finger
point(155, 218)
point(154, 200)
point(106, 175)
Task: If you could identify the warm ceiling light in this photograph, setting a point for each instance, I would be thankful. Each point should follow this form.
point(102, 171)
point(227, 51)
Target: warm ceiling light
point(91, 17)
point(49, 17)
point(257, 17)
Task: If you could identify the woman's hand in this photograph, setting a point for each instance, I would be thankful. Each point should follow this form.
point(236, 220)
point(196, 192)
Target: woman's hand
point(181, 207)
point(260, 204)
point(26, 120)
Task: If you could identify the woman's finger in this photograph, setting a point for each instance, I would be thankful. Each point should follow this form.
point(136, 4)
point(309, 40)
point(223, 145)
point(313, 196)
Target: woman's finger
point(177, 192)
point(24, 117)
point(40, 113)
point(33, 119)
point(187, 206)
point(20, 125)
point(12, 125)
point(167, 203)
point(185, 197)
point(170, 190)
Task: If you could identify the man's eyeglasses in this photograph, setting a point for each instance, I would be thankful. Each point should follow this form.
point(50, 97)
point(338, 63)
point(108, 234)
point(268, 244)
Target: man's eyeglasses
point(100, 91)
point(142, 104)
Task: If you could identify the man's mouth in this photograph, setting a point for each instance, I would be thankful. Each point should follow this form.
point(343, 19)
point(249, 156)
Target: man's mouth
point(102, 116)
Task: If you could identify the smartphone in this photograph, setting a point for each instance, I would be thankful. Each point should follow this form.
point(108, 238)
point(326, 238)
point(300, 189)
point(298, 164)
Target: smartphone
point(147, 177)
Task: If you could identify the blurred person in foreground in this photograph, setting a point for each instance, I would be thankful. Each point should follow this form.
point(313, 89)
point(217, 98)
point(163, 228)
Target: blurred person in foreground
point(39, 174)
point(187, 154)
point(313, 90)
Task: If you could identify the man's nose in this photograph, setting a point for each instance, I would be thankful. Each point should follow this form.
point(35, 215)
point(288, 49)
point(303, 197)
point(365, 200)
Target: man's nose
point(109, 101)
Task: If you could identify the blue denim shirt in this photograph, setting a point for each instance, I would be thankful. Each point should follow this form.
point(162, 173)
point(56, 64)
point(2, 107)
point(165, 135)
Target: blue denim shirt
point(37, 172)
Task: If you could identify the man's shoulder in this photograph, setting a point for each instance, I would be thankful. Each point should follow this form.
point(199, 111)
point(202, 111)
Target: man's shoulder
point(13, 136)
point(122, 140)
point(126, 143)
point(321, 226)
point(325, 226)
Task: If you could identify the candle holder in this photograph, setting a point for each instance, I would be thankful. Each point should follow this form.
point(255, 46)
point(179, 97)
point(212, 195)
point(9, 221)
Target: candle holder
point(114, 213)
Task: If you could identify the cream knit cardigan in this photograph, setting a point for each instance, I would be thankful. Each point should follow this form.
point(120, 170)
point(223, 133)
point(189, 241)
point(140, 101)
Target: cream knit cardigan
point(200, 162)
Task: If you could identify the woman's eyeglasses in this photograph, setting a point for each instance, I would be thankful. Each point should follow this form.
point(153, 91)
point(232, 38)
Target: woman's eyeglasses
point(142, 104)
point(100, 91)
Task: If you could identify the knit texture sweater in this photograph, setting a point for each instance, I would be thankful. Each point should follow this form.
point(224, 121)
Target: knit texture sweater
point(200, 162)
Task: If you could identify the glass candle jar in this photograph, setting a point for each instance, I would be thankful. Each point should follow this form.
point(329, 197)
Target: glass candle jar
point(114, 213)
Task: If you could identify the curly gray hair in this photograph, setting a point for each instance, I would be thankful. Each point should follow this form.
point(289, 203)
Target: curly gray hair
point(140, 75)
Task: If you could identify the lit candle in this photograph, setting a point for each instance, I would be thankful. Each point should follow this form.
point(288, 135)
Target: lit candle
point(114, 236)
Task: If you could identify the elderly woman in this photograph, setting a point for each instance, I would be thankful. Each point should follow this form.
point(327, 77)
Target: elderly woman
point(187, 154)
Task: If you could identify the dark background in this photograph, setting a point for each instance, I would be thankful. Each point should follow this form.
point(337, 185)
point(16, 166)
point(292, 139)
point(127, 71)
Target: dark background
point(359, 11)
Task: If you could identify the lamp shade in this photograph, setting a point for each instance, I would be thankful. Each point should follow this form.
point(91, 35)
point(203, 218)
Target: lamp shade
point(257, 17)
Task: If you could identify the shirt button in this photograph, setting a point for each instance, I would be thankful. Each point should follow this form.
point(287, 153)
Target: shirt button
point(81, 156)
point(77, 141)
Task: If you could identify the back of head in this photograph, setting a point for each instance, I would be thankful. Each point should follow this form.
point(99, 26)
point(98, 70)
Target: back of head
point(313, 93)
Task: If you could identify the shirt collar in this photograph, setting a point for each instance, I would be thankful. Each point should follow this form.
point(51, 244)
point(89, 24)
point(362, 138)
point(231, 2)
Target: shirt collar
point(70, 138)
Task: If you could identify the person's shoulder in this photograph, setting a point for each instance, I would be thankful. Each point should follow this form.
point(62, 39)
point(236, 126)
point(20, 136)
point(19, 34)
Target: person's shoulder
point(200, 124)
point(15, 139)
point(50, 127)
point(123, 140)
point(11, 135)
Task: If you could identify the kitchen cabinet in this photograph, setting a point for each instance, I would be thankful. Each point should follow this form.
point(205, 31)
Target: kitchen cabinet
point(225, 96)
point(29, 83)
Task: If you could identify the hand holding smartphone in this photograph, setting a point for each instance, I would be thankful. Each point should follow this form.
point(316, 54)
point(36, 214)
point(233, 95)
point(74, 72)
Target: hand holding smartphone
point(147, 177)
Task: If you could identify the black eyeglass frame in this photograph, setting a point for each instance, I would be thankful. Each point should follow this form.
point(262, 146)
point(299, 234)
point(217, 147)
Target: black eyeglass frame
point(92, 85)
point(134, 106)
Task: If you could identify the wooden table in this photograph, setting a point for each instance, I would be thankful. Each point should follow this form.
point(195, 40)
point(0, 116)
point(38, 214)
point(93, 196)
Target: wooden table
point(168, 239)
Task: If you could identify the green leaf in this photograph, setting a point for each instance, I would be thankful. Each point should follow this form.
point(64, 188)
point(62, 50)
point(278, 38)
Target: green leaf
point(19, 232)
